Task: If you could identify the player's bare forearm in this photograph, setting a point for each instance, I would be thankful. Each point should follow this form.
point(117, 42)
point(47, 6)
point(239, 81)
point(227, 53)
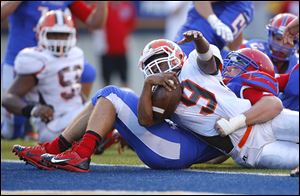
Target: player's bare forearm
point(167, 80)
point(145, 114)
point(264, 110)
point(13, 103)
point(98, 17)
point(12, 100)
point(203, 8)
point(8, 7)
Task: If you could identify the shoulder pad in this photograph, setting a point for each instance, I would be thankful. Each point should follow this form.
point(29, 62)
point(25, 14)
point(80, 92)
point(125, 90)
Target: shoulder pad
point(261, 81)
point(29, 61)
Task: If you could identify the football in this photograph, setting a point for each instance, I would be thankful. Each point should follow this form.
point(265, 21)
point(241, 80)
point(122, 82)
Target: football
point(164, 102)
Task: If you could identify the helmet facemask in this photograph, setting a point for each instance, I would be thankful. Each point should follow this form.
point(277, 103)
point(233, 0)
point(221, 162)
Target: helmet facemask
point(160, 60)
point(237, 61)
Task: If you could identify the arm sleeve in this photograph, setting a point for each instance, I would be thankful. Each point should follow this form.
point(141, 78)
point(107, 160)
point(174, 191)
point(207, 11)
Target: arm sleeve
point(254, 95)
point(282, 80)
point(81, 10)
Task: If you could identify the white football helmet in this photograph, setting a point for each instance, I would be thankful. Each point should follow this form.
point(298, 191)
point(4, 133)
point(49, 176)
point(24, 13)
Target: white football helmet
point(56, 21)
point(170, 53)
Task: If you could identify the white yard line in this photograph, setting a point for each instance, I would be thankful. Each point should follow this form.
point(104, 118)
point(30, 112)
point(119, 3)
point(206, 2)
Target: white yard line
point(189, 170)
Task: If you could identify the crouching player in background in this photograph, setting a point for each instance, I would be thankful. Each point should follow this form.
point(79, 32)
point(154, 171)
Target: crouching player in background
point(47, 86)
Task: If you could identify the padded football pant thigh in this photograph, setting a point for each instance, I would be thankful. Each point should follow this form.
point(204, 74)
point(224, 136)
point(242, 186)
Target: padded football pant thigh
point(279, 155)
point(285, 126)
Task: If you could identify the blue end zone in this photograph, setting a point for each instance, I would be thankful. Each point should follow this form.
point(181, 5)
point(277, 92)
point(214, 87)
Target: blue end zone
point(18, 176)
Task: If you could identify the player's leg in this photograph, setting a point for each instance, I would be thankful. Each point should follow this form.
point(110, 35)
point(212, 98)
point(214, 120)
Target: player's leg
point(12, 126)
point(285, 126)
point(73, 132)
point(88, 77)
point(279, 155)
point(107, 68)
point(123, 69)
point(159, 146)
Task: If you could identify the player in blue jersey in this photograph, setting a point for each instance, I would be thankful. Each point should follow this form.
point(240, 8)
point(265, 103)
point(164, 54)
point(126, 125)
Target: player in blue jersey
point(284, 57)
point(23, 17)
point(222, 23)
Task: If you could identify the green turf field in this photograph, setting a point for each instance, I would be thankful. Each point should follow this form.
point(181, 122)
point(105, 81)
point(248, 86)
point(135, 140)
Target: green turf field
point(111, 156)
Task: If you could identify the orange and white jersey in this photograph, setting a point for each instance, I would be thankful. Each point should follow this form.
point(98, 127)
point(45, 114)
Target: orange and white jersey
point(58, 78)
point(205, 98)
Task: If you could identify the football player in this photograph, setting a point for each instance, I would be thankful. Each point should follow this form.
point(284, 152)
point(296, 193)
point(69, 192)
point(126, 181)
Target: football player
point(47, 86)
point(284, 57)
point(222, 22)
point(23, 18)
point(271, 144)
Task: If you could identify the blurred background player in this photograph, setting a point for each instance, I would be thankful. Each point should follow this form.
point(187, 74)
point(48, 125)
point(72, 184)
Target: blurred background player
point(221, 22)
point(23, 17)
point(112, 41)
point(290, 33)
point(284, 56)
point(47, 85)
point(176, 14)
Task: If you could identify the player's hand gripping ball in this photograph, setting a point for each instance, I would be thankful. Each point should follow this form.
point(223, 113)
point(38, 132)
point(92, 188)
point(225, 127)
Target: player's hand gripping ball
point(164, 102)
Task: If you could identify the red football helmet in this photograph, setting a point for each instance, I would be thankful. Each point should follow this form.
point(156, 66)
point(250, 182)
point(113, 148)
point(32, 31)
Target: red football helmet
point(158, 51)
point(247, 59)
point(276, 28)
point(50, 26)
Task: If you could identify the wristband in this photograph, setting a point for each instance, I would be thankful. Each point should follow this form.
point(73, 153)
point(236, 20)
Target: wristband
point(238, 122)
point(26, 111)
point(207, 55)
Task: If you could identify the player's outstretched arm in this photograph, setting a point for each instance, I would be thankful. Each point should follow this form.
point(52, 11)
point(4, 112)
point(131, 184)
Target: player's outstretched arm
point(8, 7)
point(205, 59)
point(93, 16)
point(204, 8)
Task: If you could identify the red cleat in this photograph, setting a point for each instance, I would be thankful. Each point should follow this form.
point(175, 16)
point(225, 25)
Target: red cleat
point(68, 160)
point(31, 155)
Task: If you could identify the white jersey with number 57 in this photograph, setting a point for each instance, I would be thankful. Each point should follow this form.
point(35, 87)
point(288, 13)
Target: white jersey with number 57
point(205, 98)
point(58, 79)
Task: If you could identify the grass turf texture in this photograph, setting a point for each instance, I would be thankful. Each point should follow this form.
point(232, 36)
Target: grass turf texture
point(111, 156)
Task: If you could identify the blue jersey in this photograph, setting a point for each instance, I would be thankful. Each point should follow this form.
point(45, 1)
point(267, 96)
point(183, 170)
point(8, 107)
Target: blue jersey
point(22, 23)
point(161, 146)
point(290, 95)
point(236, 15)
point(263, 46)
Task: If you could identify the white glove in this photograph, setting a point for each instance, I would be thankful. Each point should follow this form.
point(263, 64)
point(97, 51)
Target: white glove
point(225, 127)
point(221, 29)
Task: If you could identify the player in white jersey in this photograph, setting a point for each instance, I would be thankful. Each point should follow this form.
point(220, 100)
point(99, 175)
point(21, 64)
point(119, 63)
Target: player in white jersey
point(273, 144)
point(47, 86)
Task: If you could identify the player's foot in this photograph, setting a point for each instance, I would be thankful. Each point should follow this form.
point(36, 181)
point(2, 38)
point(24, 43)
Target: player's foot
point(68, 160)
point(31, 155)
point(295, 172)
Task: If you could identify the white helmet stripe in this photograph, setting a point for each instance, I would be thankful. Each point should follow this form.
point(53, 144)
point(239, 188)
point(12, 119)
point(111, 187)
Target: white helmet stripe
point(59, 18)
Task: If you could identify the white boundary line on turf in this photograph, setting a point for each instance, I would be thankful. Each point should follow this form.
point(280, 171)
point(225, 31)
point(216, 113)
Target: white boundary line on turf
point(105, 192)
point(189, 170)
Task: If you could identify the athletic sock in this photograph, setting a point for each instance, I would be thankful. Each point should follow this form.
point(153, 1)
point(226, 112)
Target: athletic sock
point(58, 145)
point(88, 144)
